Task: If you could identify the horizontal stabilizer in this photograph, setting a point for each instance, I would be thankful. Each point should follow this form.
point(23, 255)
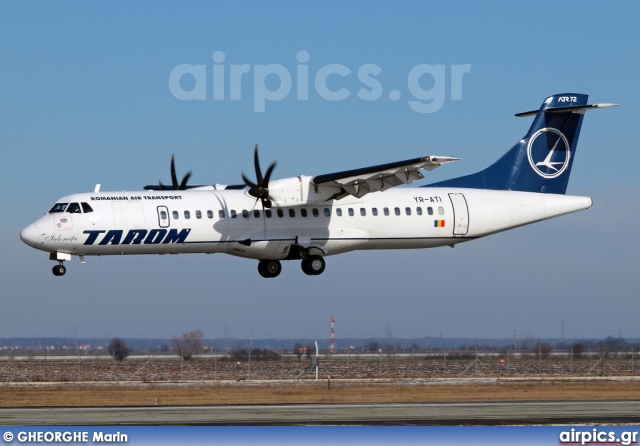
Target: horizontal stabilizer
point(572, 109)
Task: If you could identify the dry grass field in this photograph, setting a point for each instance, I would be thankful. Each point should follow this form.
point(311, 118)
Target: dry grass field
point(139, 382)
point(208, 393)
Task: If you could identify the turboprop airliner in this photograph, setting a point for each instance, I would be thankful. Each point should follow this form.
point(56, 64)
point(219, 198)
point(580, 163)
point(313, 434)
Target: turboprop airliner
point(308, 218)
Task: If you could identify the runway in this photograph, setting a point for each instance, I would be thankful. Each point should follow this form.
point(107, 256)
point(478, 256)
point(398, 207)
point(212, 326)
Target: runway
point(335, 414)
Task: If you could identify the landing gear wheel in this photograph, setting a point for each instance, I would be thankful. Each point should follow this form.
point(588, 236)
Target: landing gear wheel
point(305, 268)
point(269, 268)
point(59, 270)
point(313, 265)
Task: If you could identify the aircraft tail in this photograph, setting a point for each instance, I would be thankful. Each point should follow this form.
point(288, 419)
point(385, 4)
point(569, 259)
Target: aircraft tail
point(542, 160)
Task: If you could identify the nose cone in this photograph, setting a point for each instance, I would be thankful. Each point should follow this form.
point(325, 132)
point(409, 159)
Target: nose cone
point(31, 235)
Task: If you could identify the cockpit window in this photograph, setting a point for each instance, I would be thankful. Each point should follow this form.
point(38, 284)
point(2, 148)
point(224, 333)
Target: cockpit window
point(58, 207)
point(74, 208)
point(86, 208)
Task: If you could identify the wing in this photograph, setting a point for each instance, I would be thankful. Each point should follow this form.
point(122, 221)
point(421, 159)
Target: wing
point(359, 182)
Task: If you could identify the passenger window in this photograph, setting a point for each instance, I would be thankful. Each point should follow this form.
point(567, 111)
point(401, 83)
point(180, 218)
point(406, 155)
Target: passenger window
point(198, 214)
point(440, 210)
point(256, 213)
point(233, 213)
point(220, 214)
point(407, 210)
point(397, 211)
point(303, 212)
point(86, 208)
point(374, 211)
point(430, 210)
point(351, 213)
point(175, 215)
point(339, 212)
point(187, 215)
point(74, 208)
point(386, 211)
point(419, 210)
point(280, 213)
point(210, 214)
point(315, 212)
point(245, 213)
point(327, 212)
point(267, 213)
point(163, 215)
point(363, 212)
point(292, 213)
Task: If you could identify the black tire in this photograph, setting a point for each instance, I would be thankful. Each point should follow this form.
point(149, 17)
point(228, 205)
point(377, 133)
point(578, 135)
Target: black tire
point(313, 265)
point(262, 269)
point(269, 268)
point(59, 270)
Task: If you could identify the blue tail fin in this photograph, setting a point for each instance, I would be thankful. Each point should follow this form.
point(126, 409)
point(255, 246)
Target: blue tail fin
point(542, 160)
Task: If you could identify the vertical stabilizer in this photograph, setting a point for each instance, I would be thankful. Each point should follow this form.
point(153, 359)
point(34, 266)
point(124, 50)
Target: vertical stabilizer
point(541, 161)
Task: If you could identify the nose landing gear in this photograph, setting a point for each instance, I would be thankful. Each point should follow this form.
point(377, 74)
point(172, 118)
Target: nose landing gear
point(60, 257)
point(59, 270)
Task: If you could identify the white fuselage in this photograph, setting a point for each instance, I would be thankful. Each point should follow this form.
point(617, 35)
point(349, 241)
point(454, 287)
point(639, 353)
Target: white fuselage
point(232, 222)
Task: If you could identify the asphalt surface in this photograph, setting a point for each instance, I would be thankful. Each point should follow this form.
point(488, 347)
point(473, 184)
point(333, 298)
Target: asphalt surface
point(341, 414)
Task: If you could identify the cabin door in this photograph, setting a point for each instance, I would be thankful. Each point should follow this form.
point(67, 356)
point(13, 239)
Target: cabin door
point(460, 214)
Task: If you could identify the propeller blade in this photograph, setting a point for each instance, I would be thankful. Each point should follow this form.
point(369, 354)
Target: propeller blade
point(248, 182)
point(260, 189)
point(256, 162)
point(183, 184)
point(265, 182)
point(174, 178)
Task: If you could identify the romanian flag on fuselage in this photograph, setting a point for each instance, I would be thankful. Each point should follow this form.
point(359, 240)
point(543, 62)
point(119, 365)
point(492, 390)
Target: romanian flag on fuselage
point(438, 223)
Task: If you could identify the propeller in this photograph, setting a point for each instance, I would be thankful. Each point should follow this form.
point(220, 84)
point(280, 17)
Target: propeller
point(174, 178)
point(260, 190)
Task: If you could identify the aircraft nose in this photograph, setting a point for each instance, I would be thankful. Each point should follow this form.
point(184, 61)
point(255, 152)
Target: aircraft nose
point(30, 235)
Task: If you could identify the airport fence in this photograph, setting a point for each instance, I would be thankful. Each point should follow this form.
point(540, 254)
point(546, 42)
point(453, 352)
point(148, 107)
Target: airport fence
point(445, 364)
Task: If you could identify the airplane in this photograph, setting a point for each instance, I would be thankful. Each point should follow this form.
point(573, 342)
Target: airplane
point(308, 218)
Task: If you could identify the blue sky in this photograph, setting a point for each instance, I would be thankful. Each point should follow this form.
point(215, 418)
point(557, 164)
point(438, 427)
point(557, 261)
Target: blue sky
point(85, 98)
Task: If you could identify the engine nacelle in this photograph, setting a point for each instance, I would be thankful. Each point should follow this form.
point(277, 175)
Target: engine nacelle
point(299, 191)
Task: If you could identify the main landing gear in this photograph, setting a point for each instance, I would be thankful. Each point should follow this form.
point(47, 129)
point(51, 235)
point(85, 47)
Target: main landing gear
point(312, 266)
point(59, 270)
point(269, 268)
